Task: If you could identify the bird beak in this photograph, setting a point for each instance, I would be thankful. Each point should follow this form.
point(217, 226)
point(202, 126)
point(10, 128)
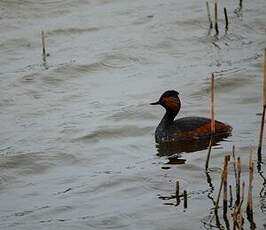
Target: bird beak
point(155, 103)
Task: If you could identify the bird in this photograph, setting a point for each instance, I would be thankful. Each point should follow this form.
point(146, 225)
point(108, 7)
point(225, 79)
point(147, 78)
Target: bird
point(184, 129)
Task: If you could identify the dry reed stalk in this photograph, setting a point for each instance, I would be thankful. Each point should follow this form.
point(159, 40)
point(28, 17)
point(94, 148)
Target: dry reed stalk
point(234, 158)
point(218, 223)
point(241, 221)
point(240, 4)
point(220, 190)
point(216, 17)
point(226, 19)
point(264, 79)
point(230, 196)
point(261, 133)
point(238, 166)
point(235, 166)
point(212, 105)
point(249, 202)
point(212, 122)
point(43, 46)
point(209, 14)
point(237, 212)
point(225, 175)
point(236, 175)
point(234, 217)
point(242, 195)
point(185, 199)
point(177, 193)
point(226, 222)
point(240, 206)
point(263, 110)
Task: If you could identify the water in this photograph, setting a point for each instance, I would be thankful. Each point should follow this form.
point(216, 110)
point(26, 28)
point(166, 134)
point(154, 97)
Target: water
point(77, 146)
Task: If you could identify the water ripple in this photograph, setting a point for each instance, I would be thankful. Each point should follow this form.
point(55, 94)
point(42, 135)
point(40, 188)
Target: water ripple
point(112, 133)
point(71, 30)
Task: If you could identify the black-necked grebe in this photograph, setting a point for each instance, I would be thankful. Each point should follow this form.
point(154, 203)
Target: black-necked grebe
point(187, 128)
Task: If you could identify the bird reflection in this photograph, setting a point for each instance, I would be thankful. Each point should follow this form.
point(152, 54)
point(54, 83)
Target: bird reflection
point(174, 150)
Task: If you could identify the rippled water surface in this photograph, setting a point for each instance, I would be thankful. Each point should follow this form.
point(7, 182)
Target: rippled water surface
point(77, 149)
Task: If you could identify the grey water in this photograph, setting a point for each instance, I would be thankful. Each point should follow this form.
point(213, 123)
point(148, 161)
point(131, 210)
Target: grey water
point(77, 147)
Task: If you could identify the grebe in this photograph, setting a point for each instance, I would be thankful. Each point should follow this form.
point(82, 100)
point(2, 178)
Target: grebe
point(184, 129)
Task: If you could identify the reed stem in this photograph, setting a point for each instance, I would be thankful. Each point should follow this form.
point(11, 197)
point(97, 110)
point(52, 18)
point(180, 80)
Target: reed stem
point(185, 199)
point(226, 19)
point(225, 174)
point(234, 217)
point(43, 46)
point(240, 206)
point(209, 14)
point(237, 213)
point(216, 17)
point(209, 153)
point(263, 110)
point(212, 105)
point(251, 169)
point(264, 79)
point(177, 193)
point(241, 219)
point(250, 186)
point(238, 181)
point(231, 196)
point(234, 158)
point(220, 190)
point(240, 4)
point(212, 122)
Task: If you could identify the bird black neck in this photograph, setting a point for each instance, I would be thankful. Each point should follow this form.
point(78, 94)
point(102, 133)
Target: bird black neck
point(168, 118)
